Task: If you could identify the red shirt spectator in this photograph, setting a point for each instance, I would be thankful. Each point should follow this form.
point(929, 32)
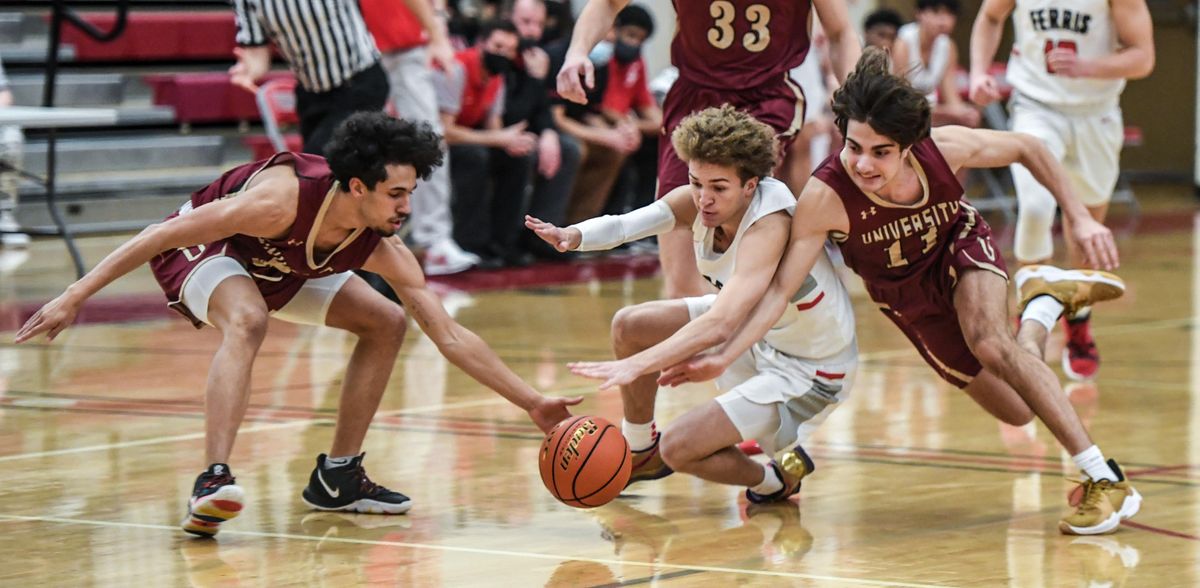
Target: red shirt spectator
point(627, 88)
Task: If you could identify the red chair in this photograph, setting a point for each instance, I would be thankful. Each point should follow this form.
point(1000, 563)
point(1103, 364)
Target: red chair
point(277, 107)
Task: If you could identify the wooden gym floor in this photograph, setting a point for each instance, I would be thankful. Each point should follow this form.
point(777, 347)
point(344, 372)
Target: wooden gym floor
point(101, 438)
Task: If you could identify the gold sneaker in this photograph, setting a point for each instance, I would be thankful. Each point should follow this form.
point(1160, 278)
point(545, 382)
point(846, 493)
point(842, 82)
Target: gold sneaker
point(1102, 505)
point(791, 466)
point(1075, 289)
point(648, 464)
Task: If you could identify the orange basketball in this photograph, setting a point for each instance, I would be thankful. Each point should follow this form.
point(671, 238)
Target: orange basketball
point(585, 461)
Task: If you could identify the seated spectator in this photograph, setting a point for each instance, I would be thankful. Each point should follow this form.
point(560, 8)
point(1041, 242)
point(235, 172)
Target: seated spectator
point(879, 29)
point(556, 159)
point(408, 46)
point(490, 164)
point(12, 149)
point(925, 54)
point(620, 112)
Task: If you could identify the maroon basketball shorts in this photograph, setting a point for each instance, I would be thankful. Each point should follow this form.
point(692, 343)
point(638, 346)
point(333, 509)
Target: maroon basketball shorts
point(189, 276)
point(923, 308)
point(780, 105)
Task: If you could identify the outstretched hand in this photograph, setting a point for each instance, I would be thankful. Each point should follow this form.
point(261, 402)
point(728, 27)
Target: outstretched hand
point(561, 239)
point(51, 319)
point(614, 373)
point(700, 368)
point(1097, 243)
point(551, 411)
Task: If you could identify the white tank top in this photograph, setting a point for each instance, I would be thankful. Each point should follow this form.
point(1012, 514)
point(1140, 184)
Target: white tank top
point(1041, 25)
point(925, 77)
point(819, 320)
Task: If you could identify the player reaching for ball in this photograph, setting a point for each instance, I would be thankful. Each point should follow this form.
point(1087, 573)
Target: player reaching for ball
point(778, 391)
point(279, 238)
point(892, 202)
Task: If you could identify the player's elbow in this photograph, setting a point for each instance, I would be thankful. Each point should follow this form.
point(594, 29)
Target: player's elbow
point(160, 237)
point(1030, 150)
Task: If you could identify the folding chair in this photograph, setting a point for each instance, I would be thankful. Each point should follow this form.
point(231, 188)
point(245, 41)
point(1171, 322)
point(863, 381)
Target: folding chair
point(277, 106)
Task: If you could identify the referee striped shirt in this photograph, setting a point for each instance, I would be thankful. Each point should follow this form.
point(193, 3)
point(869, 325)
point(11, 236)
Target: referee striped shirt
point(325, 41)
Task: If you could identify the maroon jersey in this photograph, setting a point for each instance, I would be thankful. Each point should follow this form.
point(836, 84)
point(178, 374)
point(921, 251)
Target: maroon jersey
point(739, 43)
point(911, 255)
point(890, 244)
point(279, 267)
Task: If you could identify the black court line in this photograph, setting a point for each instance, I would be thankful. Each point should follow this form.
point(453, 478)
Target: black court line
point(649, 579)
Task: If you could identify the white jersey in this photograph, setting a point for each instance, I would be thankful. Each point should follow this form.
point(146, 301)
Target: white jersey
point(819, 320)
point(925, 77)
point(1083, 25)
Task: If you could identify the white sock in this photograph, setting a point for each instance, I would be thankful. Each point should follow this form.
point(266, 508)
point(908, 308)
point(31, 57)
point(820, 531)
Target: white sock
point(337, 462)
point(1092, 462)
point(1044, 310)
point(770, 483)
point(640, 437)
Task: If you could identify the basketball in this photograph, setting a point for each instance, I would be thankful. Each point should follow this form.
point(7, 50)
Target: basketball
point(585, 461)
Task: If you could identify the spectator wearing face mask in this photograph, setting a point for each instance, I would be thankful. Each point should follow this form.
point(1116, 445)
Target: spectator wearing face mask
point(619, 114)
point(556, 158)
point(489, 191)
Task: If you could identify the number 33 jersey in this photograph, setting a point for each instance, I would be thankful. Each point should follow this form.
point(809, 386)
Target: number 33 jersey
point(739, 43)
point(1084, 27)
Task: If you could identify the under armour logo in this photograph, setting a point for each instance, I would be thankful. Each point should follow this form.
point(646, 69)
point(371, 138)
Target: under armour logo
point(866, 212)
point(218, 470)
point(294, 242)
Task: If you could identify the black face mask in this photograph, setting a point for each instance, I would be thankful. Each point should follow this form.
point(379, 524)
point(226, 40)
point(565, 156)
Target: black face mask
point(626, 53)
point(525, 44)
point(497, 64)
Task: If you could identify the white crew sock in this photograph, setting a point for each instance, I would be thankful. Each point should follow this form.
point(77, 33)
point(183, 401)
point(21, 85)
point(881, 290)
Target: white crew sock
point(1044, 310)
point(770, 483)
point(639, 436)
point(1092, 462)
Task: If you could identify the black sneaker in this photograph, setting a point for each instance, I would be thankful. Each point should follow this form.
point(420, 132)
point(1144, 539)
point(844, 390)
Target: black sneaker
point(348, 488)
point(216, 498)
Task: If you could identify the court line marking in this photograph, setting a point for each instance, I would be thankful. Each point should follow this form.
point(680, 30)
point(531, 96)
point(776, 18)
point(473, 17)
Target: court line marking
point(585, 390)
point(485, 551)
point(275, 426)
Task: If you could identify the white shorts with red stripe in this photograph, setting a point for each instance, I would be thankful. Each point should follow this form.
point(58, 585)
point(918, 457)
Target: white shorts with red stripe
point(779, 399)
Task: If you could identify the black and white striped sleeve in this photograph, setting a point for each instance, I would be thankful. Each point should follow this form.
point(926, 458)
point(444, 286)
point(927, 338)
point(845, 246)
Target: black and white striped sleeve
point(249, 30)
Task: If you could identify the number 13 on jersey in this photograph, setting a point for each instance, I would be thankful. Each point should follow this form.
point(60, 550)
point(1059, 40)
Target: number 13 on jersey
point(722, 35)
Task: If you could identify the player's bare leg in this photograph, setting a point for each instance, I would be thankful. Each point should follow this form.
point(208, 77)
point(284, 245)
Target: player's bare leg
point(1105, 497)
point(703, 443)
point(339, 481)
point(677, 256)
point(239, 313)
point(998, 398)
point(981, 299)
point(634, 329)
point(380, 327)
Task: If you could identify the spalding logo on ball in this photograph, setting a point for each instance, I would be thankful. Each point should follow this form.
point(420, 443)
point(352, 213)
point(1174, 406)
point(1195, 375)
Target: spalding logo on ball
point(585, 461)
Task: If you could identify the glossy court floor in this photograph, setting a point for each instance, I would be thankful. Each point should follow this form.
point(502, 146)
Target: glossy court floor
point(100, 439)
